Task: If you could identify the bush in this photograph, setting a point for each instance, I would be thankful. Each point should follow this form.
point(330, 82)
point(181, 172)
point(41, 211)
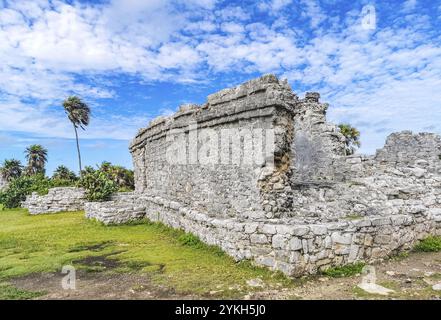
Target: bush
point(19, 188)
point(189, 239)
point(430, 244)
point(344, 271)
point(123, 178)
point(98, 186)
point(64, 174)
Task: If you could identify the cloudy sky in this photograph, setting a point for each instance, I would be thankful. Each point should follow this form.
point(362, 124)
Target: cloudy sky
point(132, 60)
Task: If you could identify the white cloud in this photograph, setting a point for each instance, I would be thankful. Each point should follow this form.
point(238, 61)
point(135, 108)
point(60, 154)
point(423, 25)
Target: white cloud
point(312, 10)
point(232, 27)
point(273, 6)
point(409, 5)
point(233, 13)
point(381, 80)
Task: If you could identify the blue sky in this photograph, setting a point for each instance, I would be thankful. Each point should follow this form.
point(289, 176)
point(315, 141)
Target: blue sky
point(134, 60)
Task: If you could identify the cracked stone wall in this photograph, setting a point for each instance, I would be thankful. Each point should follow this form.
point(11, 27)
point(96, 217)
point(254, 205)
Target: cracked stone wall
point(301, 205)
point(219, 181)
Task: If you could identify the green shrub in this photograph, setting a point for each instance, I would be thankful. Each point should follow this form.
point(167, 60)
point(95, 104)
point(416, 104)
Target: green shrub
point(19, 188)
point(344, 271)
point(64, 174)
point(123, 178)
point(56, 182)
point(98, 186)
point(189, 239)
point(430, 244)
point(9, 292)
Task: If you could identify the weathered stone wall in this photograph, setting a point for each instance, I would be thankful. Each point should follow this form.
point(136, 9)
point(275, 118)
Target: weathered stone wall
point(122, 208)
point(57, 200)
point(294, 246)
point(217, 180)
point(301, 207)
point(316, 143)
point(404, 177)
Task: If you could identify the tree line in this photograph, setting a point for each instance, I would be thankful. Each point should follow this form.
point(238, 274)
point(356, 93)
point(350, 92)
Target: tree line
point(99, 182)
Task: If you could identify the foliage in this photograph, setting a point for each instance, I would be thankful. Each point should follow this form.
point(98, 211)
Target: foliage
point(352, 136)
point(344, 271)
point(123, 178)
point(36, 156)
point(189, 239)
point(11, 169)
point(8, 292)
point(63, 173)
point(430, 244)
point(98, 186)
point(78, 113)
point(87, 170)
point(18, 189)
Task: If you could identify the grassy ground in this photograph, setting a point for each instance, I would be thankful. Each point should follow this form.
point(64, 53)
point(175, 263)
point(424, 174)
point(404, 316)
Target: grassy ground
point(42, 244)
point(151, 261)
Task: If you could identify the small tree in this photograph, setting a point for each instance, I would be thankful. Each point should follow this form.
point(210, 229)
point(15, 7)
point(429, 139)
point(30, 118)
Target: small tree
point(36, 156)
point(11, 169)
point(352, 136)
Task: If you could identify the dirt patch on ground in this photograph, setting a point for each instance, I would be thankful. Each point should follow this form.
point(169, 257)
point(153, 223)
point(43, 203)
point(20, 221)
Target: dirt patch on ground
point(101, 262)
point(91, 247)
point(99, 285)
point(410, 277)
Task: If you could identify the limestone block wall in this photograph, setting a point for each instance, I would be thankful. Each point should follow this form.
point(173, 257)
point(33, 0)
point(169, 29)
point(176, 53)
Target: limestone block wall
point(252, 119)
point(316, 144)
point(122, 208)
point(294, 246)
point(57, 200)
point(384, 184)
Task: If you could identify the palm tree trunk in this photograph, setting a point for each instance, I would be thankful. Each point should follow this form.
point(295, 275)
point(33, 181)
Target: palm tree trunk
point(78, 149)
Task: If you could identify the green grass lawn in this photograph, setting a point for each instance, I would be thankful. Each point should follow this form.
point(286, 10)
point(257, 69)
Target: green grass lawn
point(44, 243)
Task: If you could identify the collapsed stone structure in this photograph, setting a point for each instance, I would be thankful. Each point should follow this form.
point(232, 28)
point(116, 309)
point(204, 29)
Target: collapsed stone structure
point(259, 172)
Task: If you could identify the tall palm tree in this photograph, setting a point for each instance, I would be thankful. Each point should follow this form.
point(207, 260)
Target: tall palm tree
point(11, 169)
point(78, 113)
point(36, 155)
point(352, 136)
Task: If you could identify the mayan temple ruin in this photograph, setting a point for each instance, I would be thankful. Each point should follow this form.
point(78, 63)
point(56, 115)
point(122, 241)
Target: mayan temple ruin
point(259, 172)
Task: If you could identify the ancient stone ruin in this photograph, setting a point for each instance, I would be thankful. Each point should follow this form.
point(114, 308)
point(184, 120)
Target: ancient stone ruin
point(259, 172)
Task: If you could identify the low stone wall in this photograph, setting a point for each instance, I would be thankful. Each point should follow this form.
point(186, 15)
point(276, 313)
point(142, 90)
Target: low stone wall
point(122, 208)
point(294, 246)
point(57, 200)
